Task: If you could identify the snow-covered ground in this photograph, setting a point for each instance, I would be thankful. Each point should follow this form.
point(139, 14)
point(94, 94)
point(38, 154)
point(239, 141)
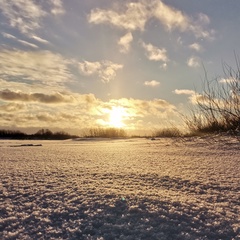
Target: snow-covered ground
point(120, 189)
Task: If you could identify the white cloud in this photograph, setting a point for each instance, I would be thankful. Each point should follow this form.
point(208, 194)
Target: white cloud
point(105, 70)
point(22, 14)
point(228, 80)
point(203, 18)
point(155, 54)
point(27, 43)
point(9, 36)
point(170, 17)
point(41, 40)
point(89, 68)
point(194, 97)
point(193, 62)
point(164, 66)
point(133, 18)
point(196, 46)
point(184, 91)
point(57, 7)
point(136, 15)
point(40, 67)
point(124, 42)
point(144, 108)
point(26, 15)
point(152, 83)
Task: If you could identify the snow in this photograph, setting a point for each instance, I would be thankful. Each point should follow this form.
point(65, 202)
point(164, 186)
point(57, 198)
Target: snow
point(120, 189)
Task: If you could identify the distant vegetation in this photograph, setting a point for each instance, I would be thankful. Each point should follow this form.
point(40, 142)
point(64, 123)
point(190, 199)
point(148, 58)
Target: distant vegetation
point(218, 106)
point(168, 132)
point(43, 134)
point(46, 134)
point(106, 133)
point(217, 110)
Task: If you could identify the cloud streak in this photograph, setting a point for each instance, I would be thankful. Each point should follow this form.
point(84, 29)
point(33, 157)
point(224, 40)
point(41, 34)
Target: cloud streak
point(152, 83)
point(42, 67)
point(55, 98)
point(27, 15)
point(9, 36)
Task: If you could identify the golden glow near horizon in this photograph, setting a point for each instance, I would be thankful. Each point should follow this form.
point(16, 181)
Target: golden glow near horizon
point(116, 117)
point(101, 66)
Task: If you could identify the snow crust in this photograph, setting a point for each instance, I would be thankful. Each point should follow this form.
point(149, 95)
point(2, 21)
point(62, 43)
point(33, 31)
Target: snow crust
point(120, 189)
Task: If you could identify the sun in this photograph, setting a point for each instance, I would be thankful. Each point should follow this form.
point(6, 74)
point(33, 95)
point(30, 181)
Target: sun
point(116, 117)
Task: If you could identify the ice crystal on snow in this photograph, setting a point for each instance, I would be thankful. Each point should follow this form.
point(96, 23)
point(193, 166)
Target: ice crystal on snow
point(120, 189)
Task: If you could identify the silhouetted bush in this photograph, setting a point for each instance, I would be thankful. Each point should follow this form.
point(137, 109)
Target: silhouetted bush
point(168, 132)
point(106, 132)
point(218, 106)
point(42, 134)
point(12, 134)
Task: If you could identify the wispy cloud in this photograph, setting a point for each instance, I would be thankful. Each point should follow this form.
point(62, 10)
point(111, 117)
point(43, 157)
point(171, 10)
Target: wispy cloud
point(9, 36)
point(105, 70)
point(124, 42)
point(193, 96)
point(57, 7)
point(143, 108)
point(26, 15)
point(136, 15)
point(196, 46)
point(41, 40)
point(155, 54)
point(27, 43)
point(34, 66)
point(11, 107)
point(228, 80)
point(164, 66)
point(152, 83)
point(184, 91)
point(133, 18)
point(170, 17)
point(193, 62)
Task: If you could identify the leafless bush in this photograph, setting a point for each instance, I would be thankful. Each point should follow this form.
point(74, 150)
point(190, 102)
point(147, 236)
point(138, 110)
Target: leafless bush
point(106, 132)
point(218, 106)
point(168, 132)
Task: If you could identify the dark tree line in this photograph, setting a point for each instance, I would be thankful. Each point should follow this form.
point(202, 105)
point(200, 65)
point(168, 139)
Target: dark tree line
point(43, 134)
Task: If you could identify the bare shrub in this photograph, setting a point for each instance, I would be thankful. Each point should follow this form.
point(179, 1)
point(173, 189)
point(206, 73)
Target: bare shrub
point(218, 106)
point(168, 132)
point(106, 132)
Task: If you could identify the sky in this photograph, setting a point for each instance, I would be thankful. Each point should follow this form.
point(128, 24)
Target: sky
point(78, 64)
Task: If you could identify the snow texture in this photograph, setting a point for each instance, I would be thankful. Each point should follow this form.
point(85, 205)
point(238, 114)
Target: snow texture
point(120, 189)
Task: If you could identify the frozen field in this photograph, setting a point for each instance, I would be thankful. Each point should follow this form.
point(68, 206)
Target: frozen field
point(120, 189)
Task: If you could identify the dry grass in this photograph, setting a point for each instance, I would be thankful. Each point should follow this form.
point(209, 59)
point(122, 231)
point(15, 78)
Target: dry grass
point(106, 133)
point(217, 107)
point(168, 132)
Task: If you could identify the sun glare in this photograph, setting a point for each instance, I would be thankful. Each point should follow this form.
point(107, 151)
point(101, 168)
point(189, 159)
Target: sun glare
point(116, 117)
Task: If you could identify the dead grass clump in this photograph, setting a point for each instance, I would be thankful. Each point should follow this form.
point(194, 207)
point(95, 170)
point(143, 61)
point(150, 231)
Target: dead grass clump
point(217, 108)
point(106, 133)
point(168, 132)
